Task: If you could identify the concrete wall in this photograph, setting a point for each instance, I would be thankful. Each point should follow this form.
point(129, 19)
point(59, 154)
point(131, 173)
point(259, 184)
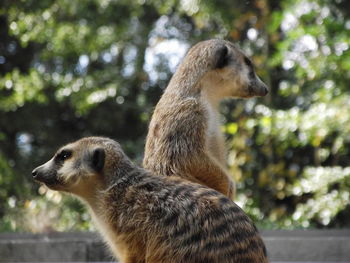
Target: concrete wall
point(282, 246)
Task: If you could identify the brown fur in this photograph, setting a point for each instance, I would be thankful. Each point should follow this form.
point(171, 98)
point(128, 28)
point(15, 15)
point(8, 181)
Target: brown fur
point(147, 218)
point(184, 135)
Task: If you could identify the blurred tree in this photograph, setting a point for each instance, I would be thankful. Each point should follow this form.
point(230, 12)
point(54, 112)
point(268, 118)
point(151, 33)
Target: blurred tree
point(295, 170)
point(77, 68)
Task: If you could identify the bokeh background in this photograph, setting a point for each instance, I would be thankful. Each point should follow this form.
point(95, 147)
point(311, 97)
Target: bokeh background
point(70, 69)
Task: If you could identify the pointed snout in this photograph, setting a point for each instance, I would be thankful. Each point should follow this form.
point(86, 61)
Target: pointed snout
point(264, 89)
point(45, 174)
point(38, 174)
point(260, 88)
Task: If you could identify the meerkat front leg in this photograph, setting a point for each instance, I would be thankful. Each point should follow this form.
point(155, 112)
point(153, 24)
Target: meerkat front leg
point(204, 166)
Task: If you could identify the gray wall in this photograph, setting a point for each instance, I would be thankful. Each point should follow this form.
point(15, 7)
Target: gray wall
point(282, 246)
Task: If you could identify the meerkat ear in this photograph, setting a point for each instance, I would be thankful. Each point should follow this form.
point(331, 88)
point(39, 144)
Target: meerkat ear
point(98, 159)
point(222, 58)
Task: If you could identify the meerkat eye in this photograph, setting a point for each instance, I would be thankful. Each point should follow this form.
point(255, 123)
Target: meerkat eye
point(250, 65)
point(63, 155)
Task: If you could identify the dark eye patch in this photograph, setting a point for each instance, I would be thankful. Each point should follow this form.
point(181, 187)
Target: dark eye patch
point(63, 155)
point(250, 66)
point(248, 62)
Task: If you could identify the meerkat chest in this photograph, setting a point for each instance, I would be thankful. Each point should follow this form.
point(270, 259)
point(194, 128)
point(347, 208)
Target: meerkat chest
point(213, 127)
point(110, 237)
point(215, 140)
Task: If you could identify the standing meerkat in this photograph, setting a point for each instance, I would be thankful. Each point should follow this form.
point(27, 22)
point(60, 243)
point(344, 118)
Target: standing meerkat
point(148, 218)
point(184, 136)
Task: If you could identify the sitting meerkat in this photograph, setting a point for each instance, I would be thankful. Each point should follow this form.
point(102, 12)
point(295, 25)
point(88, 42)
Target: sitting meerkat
point(148, 218)
point(184, 136)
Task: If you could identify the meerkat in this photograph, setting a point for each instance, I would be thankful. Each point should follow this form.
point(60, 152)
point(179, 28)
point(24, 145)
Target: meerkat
point(184, 136)
point(150, 218)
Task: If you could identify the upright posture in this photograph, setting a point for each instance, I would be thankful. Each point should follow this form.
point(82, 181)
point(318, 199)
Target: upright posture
point(184, 135)
point(151, 219)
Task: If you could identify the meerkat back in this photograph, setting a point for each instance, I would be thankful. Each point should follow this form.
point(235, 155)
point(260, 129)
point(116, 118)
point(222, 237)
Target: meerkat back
point(174, 221)
point(184, 136)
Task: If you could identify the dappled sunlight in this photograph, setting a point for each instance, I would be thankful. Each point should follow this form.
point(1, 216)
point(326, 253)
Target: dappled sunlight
point(47, 214)
point(170, 50)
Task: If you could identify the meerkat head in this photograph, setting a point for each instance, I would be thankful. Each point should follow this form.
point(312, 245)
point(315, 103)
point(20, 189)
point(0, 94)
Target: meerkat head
point(231, 72)
point(80, 167)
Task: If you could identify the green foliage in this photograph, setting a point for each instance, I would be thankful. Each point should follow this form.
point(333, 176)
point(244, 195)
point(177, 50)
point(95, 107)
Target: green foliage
point(51, 211)
point(20, 89)
point(296, 164)
point(295, 161)
point(97, 67)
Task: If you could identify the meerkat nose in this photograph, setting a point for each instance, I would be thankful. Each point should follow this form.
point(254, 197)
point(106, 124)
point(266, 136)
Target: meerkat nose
point(34, 173)
point(266, 91)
